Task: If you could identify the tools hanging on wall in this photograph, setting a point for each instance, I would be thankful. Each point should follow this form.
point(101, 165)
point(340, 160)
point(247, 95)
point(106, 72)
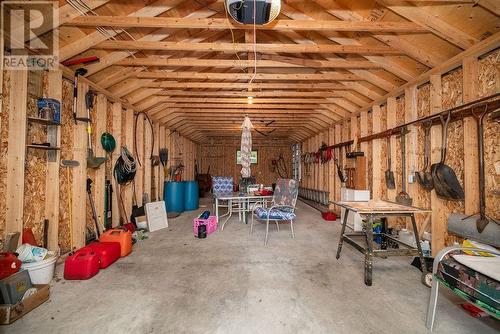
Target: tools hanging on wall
point(403, 197)
point(445, 180)
point(424, 177)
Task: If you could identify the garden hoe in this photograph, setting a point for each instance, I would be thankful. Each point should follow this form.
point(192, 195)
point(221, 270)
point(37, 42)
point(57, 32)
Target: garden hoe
point(92, 160)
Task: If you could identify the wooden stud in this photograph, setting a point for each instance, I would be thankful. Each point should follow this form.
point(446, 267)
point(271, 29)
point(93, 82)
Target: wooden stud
point(100, 173)
point(363, 131)
point(439, 225)
point(376, 154)
point(411, 147)
point(16, 151)
point(148, 141)
point(54, 90)
point(116, 112)
point(129, 144)
point(471, 151)
point(78, 191)
point(139, 176)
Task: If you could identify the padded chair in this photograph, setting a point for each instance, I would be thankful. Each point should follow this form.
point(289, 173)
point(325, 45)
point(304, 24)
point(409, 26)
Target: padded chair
point(282, 207)
point(223, 185)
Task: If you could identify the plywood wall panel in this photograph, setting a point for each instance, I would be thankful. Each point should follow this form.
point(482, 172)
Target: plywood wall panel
point(35, 168)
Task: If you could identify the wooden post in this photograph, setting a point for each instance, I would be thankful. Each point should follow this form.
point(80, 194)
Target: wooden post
point(332, 176)
point(391, 122)
point(376, 154)
point(148, 141)
point(129, 143)
point(78, 187)
point(54, 90)
point(156, 170)
point(100, 173)
point(363, 131)
point(16, 151)
point(139, 176)
point(116, 113)
point(337, 154)
point(411, 147)
point(162, 144)
point(471, 167)
point(439, 223)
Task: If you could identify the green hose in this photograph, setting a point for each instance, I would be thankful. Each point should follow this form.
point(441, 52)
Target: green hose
point(108, 142)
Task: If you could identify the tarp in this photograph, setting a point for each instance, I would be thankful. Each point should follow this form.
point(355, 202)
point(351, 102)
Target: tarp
point(246, 147)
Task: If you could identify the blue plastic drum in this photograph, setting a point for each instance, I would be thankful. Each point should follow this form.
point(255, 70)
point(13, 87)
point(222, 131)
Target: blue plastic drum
point(191, 196)
point(173, 196)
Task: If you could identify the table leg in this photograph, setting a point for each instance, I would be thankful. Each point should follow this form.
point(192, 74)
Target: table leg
point(419, 247)
point(369, 251)
point(229, 213)
point(344, 223)
point(217, 208)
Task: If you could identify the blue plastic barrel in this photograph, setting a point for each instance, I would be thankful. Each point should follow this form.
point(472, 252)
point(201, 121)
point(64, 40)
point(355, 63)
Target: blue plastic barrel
point(191, 196)
point(173, 196)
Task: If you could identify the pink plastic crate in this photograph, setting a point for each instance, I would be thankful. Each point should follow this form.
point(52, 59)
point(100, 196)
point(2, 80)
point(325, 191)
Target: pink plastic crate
point(211, 223)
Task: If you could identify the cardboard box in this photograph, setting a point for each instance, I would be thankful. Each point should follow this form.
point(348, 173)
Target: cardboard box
point(11, 312)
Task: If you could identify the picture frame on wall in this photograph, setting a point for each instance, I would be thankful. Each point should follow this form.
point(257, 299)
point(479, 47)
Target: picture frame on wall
point(254, 157)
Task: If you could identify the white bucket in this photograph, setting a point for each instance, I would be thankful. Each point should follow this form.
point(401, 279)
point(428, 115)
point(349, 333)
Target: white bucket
point(41, 272)
point(29, 253)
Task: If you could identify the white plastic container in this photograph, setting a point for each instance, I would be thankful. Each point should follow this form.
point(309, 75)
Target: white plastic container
point(42, 272)
point(29, 253)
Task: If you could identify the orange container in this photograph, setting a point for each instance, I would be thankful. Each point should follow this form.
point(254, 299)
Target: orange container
point(124, 238)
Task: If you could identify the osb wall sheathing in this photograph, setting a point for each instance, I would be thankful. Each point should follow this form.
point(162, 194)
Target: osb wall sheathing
point(36, 162)
point(452, 84)
point(65, 180)
point(4, 134)
point(489, 83)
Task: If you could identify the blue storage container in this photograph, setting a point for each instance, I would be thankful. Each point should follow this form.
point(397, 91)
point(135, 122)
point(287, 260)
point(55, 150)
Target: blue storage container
point(173, 196)
point(191, 196)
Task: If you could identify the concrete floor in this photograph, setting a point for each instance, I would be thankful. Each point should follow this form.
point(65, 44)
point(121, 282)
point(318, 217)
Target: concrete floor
point(231, 283)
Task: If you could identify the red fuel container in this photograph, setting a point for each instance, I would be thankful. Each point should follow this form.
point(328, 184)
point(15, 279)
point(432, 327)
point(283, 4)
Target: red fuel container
point(108, 252)
point(121, 236)
point(81, 265)
point(9, 264)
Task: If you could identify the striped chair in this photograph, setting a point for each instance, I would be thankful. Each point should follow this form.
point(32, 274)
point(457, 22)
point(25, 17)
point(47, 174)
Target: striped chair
point(282, 206)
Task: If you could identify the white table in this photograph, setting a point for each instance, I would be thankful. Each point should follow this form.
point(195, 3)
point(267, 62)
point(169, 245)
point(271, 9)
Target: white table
point(244, 202)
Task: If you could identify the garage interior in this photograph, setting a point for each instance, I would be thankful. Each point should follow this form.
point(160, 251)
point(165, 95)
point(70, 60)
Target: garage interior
point(357, 143)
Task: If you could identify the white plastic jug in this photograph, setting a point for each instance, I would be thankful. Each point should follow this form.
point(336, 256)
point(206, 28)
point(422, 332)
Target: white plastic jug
point(28, 253)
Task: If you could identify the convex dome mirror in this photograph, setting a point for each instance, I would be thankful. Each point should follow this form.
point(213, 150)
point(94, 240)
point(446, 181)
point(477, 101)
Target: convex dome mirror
point(243, 10)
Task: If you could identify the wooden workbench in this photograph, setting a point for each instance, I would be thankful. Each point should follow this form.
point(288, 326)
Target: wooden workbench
point(370, 211)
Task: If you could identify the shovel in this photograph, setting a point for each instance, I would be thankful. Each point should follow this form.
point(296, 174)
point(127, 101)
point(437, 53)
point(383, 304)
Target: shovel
point(424, 177)
point(389, 174)
point(92, 160)
point(445, 180)
point(403, 197)
point(462, 225)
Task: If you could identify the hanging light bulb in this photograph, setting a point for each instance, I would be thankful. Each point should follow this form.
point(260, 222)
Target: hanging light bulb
point(250, 99)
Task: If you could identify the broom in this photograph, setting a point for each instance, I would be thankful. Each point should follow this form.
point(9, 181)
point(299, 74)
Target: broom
point(164, 160)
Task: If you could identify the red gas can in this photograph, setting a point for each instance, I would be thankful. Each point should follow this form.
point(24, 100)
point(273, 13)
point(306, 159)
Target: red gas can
point(121, 236)
point(108, 252)
point(82, 264)
point(9, 264)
